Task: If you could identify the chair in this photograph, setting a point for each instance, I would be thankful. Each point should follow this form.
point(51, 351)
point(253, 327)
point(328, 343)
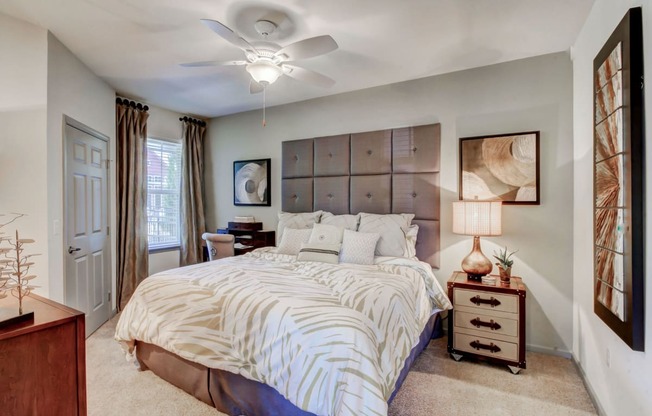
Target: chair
point(219, 245)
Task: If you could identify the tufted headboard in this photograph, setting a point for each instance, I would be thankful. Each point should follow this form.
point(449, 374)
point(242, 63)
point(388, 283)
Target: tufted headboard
point(381, 172)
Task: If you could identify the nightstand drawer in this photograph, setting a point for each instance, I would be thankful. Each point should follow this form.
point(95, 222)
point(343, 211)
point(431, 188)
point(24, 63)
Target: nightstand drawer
point(485, 346)
point(486, 300)
point(486, 323)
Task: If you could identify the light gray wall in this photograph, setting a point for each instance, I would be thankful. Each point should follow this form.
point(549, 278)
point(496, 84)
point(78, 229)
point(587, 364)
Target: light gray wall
point(23, 152)
point(75, 91)
point(530, 94)
point(623, 387)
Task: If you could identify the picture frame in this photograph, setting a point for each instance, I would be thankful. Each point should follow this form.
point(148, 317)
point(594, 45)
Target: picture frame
point(252, 182)
point(618, 182)
point(500, 167)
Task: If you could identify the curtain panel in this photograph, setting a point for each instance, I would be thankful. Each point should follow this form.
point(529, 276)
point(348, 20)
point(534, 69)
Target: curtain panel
point(131, 182)
point(192, 191)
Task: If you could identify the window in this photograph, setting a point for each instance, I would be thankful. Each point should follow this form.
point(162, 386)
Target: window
point(163, 193)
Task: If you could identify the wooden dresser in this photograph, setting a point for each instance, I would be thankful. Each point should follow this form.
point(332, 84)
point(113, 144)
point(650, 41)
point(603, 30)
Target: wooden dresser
point(43, 362)
point(249, 236)
point(487, 321)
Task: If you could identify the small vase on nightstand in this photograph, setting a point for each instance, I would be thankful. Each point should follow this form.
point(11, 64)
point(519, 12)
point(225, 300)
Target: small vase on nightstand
point(504, 264)
point(505, 274)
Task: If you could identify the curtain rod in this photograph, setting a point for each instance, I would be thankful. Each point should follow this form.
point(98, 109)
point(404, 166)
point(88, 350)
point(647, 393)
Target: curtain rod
point(193, 120)
point(132, 104)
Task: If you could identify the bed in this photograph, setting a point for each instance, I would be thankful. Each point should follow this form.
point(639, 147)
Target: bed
point(271, 333)
point(330, 339)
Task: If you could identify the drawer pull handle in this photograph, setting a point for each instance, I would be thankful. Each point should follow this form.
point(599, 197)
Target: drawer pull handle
point(477, 322)
point(491, 347)
point(478, 300)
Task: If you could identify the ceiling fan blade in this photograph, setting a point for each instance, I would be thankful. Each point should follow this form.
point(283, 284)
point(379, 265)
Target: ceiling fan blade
point(255, 88)
point(201, 63)
point(306, 75)
point(228, 34)
point(234, 63)
point(308, 48)
point(213, 63)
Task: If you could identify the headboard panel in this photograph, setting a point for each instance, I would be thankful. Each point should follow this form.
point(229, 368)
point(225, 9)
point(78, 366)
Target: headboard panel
point(332, 194)
point(382, 172)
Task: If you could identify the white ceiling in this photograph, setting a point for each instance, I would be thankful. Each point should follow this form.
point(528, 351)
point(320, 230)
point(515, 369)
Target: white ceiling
point(136, 46)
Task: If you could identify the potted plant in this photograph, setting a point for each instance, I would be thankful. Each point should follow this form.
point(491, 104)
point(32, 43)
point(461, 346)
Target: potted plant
point(504, 263)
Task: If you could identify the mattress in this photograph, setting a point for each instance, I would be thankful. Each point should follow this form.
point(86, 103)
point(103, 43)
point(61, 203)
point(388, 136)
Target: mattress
point(330, 339)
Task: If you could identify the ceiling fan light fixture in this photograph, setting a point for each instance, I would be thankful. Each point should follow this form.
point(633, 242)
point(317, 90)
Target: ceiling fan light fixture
point(264, 72)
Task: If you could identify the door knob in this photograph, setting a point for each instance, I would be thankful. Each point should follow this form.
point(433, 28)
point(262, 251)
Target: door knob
point(72, 249)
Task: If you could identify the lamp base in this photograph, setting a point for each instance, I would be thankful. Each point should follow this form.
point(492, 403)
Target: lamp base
point(475, 277)
point(476, 264)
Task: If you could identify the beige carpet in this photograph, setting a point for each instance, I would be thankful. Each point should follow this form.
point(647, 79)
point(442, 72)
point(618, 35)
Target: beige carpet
point(437, 385)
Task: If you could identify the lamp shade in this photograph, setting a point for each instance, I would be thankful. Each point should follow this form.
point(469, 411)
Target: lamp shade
point(264, 72)
point(477, 218)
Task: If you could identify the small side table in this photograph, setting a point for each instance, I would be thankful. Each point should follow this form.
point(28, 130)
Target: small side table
point(487, 321)
point(249, 236)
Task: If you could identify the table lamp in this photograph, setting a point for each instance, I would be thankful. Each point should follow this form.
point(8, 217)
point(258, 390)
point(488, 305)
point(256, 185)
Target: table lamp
point(477, 218)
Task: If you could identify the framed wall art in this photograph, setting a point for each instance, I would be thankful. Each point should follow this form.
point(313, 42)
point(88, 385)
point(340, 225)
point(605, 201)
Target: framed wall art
point(618, 188)
point(503, 167)
point(251, 182)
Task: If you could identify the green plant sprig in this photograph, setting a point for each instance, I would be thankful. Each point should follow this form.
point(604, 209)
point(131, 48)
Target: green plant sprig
point(504, 258)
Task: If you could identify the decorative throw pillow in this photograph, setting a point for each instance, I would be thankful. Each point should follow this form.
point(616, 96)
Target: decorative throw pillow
point(292, 240)
point(348, 221)
point(324, 233)
point(358, 248)
point(411, 237)
point(392, 229)
point(321, 252)
point(295, 220)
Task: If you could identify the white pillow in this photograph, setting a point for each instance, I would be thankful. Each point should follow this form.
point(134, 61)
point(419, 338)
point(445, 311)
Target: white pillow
point(358, 248)
point(295, 220)
point(392, 228)
point(324, 233)
point(321, 252)
point(411, 237)
point(292, 240)
point(348, 221)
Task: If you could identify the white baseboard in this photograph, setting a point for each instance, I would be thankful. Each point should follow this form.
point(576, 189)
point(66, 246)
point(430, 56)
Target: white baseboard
point(589, 389)
point(549, 351)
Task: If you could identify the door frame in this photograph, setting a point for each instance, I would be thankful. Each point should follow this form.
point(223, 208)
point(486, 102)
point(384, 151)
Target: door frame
point(69, 121)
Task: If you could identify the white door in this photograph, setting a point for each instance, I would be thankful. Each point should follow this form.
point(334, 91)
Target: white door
point(87, 250)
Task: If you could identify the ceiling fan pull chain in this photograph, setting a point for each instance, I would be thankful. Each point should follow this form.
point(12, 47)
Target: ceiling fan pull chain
point(264, 104)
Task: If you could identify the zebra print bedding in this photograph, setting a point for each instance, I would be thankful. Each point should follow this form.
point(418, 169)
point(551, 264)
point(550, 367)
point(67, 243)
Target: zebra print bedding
point(332, 339)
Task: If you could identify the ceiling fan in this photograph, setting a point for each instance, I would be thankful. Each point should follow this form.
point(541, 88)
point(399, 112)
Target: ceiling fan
point(267, 61)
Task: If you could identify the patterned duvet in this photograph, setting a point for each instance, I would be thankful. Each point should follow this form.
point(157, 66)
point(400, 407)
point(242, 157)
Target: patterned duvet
point(332, 339)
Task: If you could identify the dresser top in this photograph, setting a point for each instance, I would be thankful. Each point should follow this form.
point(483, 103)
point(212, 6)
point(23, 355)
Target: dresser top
point(459, 279)
point(47, 313)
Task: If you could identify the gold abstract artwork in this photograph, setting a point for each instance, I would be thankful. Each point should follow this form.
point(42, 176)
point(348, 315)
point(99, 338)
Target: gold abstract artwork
point(609, 215)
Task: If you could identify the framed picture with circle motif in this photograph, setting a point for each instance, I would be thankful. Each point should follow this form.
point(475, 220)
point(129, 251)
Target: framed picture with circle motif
point(251, 182)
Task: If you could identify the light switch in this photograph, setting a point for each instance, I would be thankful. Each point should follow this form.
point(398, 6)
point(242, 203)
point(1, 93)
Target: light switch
point(56, 227)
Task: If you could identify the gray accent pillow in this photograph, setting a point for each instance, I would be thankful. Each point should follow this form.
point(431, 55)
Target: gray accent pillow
point(292, 240)
point(324, 253)
point(393, 230)
point(358, 248)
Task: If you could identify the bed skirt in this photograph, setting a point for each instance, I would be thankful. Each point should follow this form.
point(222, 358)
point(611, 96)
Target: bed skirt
point(235, 395)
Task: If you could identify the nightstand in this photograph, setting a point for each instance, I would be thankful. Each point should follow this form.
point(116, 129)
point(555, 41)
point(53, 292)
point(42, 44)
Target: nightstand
point(249, 236)
point(487, 321)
